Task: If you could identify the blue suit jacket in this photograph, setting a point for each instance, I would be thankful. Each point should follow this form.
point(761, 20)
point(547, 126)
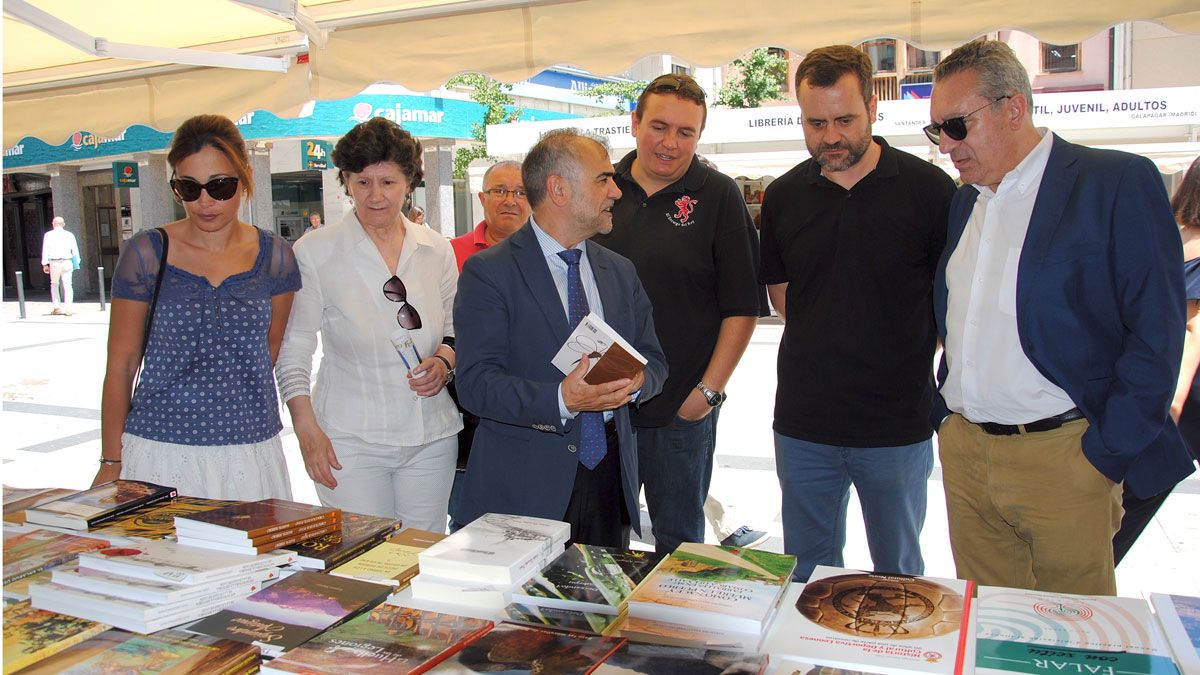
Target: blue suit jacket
point(510, 322)
point(1100, 306)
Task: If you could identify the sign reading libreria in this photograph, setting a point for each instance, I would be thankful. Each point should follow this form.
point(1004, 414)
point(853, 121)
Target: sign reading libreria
point(423, 116)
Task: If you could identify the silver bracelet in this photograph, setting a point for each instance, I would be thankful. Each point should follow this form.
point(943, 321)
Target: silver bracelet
point(109, 462)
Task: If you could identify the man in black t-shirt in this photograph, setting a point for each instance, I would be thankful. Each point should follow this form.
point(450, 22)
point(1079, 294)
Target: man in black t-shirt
point(686, 229)
point(850, 242)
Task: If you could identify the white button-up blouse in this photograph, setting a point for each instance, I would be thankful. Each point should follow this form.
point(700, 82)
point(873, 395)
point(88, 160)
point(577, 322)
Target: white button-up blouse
point(361, 389)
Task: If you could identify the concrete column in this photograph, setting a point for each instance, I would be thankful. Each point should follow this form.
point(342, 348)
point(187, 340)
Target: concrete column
point(335, 203)
point(67, 199)
point(439, 185)
point(258, 210)
point(151, 202)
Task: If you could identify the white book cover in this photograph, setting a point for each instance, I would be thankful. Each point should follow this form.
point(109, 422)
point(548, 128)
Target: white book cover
point(879, 623)
point(126, 614)
point(1022, 631)
point(434, 589)
point(169, 561)
point(594, 338)
point(1179, 616)
point(497, 549)
point(156, 592)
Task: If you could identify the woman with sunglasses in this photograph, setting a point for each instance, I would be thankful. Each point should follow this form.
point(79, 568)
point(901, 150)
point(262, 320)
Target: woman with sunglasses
point(378, 431)
point(204, 417)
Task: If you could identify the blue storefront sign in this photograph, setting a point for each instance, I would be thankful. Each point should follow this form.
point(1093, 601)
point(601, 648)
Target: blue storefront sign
point(125, 174)
point(566, 80)
point(422, 116)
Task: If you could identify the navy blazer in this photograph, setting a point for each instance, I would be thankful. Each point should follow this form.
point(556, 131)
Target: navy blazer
point(510, 322)
point(1100, 306)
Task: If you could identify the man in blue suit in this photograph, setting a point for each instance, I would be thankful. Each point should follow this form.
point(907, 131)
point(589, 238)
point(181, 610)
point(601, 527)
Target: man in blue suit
point(1059, 300)
point(546, 445)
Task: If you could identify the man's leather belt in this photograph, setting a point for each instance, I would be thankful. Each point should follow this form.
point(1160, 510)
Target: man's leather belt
point(1047, 424)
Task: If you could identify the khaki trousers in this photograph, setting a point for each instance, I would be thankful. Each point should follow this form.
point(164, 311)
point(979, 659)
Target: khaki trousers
point(1029, 510)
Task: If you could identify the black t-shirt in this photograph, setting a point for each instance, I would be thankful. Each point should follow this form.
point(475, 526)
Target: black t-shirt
point(696, 252)
point(856, 359)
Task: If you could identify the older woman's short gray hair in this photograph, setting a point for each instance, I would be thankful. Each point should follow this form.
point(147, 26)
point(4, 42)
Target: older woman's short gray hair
point(1000, 71)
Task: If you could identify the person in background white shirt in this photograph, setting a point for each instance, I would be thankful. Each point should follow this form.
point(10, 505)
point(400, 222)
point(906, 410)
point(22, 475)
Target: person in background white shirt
point(59, 250)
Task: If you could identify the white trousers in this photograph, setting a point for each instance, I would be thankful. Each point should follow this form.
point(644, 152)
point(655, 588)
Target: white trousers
point(60, 270)
point(410, 483)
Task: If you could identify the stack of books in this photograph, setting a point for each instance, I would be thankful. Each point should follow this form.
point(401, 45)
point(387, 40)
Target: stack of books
point(709, 596)
point(257, 527)
point(30, 553)
point(155, 584)
point(157, 520)
point(89, 508)
point(481, 564)
point(358, 533)
point(393, 561)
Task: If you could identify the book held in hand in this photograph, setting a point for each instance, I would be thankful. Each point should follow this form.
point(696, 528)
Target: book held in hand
point(610, 356)
point(97, 505)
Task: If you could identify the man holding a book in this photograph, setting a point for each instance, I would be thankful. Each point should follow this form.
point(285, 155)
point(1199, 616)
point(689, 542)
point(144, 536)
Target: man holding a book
point(549, 446)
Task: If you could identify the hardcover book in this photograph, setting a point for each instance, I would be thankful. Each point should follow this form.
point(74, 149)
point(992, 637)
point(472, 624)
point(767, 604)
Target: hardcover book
point(292, 611)
point(16, 500)
point(721, 587)
point(247, 521)
point(554, 617)
point(31, 635)
point(610, 356)
point(1022, 631)
point(588, 579)
point(526, 649)
point(131, 615)
point(157, 521)
point(357, 534)
point(879, 623)
point(156, 592)
point(27, 553)
point(168, 652)
point(391, 562)
point(388, 640)
point(1179, 616)
point(88, 508)
point(497, 549)
point(632, 657)
point(168, 561)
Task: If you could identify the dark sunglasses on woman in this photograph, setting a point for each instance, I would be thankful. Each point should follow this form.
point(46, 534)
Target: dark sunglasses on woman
point(407, 317)
point(219, 189)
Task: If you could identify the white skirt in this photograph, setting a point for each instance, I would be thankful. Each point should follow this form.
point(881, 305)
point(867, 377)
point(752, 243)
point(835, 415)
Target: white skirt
point(247, 472)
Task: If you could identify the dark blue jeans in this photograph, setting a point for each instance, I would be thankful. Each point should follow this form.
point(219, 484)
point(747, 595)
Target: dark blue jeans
point(675, 466)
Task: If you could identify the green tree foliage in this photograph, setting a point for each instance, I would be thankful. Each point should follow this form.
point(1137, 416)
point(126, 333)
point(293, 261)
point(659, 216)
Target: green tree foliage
point(498, 109)
point(759, 78)
point(624, 91)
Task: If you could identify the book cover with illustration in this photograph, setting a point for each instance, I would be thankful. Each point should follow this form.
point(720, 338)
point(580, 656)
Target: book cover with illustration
point(357, 534)
point(159, 559)
point(31, 635)
point(168, 652)
point(157, 521)
point(610, 356)
point(1021, 631)
point(253, 520)
point(292, 611)
point(723, 587)
point(91, 507)
point(496, 549)
point(514, 649)
point(27, 553)
point(389, 640)
point(1179, 616)
point(16, 500)
point(879, 623)
point(634, 658)
point(588, 579)
point(555, 617)
point(394, 561)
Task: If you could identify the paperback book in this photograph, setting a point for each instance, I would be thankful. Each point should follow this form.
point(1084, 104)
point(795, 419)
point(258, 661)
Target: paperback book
point(394, 561)
point(16, 500)
point(88, 508)
point(526, 649)
point(357, 534)
point(554, 617)
point(163, 560)
point(680, 635)
point(1022, 631)
point(496, 549)
point(588, 579)
point(610, 356)
point(388, 640)
point(719, 587)
point(27, 553)
point(131, 615)
point(426, 587)
point(292, 611)
point(156, 592)
point(633, 657)
point(157, 521)
point(168, 652)
point(266, 543)
point(254, 521)
point(879, 623)
point(1179, 616)
point(31, 635)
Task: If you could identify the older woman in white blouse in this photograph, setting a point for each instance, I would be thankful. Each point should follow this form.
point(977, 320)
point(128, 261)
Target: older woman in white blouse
point(378, 430)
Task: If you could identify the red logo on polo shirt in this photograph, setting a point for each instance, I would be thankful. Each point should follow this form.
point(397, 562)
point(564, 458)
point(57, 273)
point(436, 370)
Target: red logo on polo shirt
point(686, 205)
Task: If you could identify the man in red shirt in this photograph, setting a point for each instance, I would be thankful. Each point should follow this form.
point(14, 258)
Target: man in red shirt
point(505, 210)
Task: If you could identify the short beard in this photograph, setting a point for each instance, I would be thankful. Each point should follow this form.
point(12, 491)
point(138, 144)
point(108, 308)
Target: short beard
point(853, 156)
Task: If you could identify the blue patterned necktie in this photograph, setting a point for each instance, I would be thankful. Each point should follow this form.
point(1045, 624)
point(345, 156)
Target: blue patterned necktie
point(593, 445)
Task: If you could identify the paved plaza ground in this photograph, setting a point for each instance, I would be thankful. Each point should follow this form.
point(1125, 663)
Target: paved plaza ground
point(52, 368)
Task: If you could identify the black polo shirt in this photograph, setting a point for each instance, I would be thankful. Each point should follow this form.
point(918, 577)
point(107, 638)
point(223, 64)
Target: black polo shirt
point(696, 253)
point(855, 362)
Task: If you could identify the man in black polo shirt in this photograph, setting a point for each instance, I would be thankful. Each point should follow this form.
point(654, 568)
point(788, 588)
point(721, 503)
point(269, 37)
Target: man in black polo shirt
point(687, 231)
point(850, 242)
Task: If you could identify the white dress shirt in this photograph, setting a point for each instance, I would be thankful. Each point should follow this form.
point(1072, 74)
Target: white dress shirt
point(362, 390)
point(990, 379)
point(58, 244)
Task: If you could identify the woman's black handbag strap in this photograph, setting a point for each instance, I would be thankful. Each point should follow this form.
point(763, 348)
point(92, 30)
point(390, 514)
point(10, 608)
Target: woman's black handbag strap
point(162, 267)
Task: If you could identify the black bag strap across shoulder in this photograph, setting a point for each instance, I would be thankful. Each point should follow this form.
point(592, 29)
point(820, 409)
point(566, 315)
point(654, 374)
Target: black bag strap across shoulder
point(162, 267)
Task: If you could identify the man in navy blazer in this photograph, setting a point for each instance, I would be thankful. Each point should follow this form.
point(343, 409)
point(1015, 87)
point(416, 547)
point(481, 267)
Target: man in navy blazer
point(530, 453)
point(1059, 300)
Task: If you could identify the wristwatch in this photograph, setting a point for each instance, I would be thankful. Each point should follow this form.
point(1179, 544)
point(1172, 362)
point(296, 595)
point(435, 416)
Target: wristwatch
point(449, 369)
point(714, 398)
